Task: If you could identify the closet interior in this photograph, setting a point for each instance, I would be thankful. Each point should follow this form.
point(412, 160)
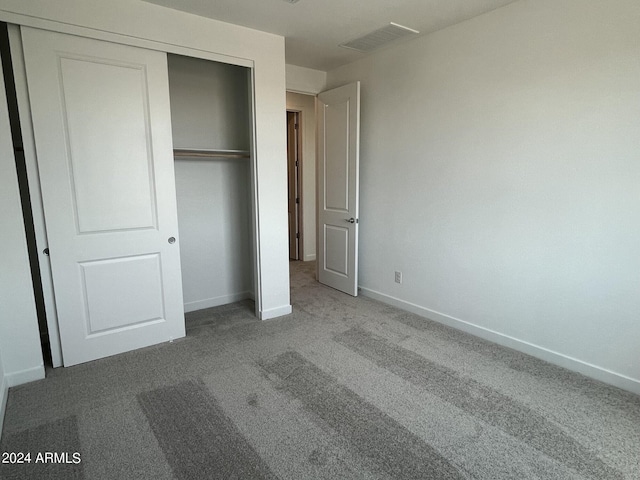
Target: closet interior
point(211, 124)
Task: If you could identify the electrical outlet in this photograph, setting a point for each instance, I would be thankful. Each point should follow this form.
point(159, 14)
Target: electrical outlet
point(398, 277)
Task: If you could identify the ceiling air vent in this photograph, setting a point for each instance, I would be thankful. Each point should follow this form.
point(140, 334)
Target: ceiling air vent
point(378, 38)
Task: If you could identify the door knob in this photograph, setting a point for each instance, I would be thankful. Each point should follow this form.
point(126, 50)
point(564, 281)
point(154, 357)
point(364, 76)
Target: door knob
point(172, 240)
point(351, 220)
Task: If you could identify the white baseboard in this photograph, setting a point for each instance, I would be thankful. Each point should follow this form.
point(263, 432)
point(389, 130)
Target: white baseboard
point(310, 257)
point(565, 361)
point(275, 312)
point(4, 394)
point(25, 376)
point(217, 301)
point(13, 380)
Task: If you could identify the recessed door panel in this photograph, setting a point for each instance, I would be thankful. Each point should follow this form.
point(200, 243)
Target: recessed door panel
point(337, 156)
point(337, 244)
point(108, 136)
point(102, 129)
point(105, 280)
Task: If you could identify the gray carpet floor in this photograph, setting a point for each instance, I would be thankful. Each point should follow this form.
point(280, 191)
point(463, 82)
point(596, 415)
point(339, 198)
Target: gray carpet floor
point(343, 388)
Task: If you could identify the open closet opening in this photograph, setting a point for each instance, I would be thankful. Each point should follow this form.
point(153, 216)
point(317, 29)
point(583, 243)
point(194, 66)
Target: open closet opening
point(211, 125)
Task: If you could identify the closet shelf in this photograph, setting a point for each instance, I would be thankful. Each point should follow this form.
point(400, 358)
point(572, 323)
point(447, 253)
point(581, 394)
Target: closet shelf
point(209, 153)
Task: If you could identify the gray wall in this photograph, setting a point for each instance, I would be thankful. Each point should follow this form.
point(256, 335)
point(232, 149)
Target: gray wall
point(210, 109)
point(209, 104)
point(500, 172)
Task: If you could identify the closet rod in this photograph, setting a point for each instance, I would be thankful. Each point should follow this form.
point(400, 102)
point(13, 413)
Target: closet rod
point(210, 153)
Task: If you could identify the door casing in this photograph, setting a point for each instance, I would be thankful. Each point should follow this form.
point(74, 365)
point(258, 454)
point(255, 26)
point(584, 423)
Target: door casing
point(294, 166)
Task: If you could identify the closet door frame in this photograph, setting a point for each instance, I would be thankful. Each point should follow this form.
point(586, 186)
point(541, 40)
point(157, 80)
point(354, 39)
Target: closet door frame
point(33, 179)
point(31, 155)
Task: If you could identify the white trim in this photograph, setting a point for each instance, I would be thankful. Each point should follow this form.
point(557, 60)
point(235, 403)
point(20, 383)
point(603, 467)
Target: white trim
point(216, 301)
point(4, 395)
point(275, 312)
point(25, 376)
point(560, 359)
point(310, 258)
point(124, 39)
point(255, 198)
point(15, 379)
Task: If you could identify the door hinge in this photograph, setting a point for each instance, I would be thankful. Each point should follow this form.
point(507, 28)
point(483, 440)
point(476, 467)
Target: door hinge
point(297, 235)
point(297, 200)
point(295, 125)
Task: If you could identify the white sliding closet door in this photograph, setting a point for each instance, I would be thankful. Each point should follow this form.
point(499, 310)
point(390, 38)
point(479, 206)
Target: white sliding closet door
point(102, 129)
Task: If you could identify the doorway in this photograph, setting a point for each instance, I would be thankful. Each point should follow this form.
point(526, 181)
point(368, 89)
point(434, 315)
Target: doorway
point(304, 105)
point(211, 128)
point(293, 183)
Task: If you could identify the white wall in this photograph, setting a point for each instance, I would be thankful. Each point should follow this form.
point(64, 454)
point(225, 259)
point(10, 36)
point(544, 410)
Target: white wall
point(20, 351)
point(305, 80)
point(149, 25)
point(210, 110)
point(209, 104)
point(306, 105)
point(500, 172)
point(4, 390)
point(215, 243)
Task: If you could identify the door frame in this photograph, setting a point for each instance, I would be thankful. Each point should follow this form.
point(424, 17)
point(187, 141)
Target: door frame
point(33, 180)
point(298, 180)
point(32, 164)
point(307, 173)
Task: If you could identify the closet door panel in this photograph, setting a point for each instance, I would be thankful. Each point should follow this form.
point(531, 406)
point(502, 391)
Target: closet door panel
point(103, 138)
point(110, 99)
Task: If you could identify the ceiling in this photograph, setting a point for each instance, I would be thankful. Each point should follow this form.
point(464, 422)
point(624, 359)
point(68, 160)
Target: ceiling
point(314, 29)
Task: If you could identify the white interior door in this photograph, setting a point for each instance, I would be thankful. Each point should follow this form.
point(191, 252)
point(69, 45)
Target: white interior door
point(102, 129)
point(339, 151)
